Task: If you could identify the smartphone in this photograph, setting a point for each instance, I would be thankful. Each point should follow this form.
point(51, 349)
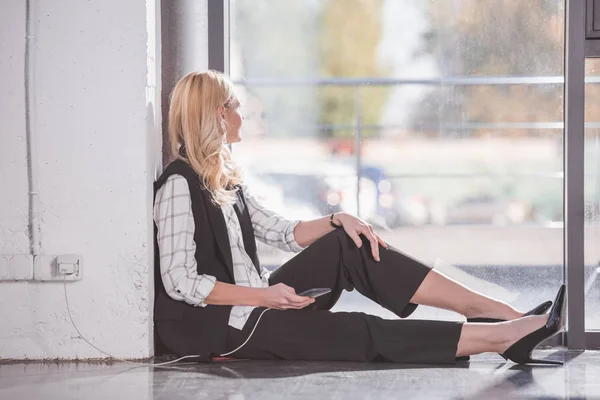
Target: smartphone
point(314, 293)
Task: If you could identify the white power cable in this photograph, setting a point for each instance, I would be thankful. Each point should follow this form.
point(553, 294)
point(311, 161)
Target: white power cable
point(146, 364)
point(249, 336)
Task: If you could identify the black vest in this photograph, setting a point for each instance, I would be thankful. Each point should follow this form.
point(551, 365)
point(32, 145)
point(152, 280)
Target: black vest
point(200, 330)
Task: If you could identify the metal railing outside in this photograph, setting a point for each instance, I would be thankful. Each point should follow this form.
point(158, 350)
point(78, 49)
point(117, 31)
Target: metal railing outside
point(358, 127)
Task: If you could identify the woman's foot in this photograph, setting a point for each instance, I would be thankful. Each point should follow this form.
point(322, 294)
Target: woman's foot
point(514, 339)
point(507, 333)
point(494, 309)
point(538, 310)
point(497, 337)
point(517, 329)
point(520, 351)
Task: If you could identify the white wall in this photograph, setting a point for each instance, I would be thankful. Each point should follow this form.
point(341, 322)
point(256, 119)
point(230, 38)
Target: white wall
point(96, 123)
point(13, 161)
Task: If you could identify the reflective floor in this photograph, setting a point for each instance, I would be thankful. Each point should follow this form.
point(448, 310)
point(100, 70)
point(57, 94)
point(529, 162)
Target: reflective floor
point(485, 377)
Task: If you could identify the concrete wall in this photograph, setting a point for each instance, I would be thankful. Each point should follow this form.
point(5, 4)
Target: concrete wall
point(13, 161)
point(96, 123)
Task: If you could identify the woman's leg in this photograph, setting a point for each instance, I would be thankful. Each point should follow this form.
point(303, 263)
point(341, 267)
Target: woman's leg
point(321, 335)
point(440, 291)
point(397, 282)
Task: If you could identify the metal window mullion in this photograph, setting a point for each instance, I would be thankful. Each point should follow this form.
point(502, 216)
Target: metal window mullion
point(358, 144)
point(592, 340)
point(574, 100)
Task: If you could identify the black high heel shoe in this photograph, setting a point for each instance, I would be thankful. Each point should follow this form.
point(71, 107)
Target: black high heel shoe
point(520, 352)
point(539, 310)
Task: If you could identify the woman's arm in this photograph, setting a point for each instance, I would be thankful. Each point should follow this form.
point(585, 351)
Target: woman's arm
point(308, 232)
point(273, 229)
point(176, 247)
point(226, 294)
point(280, 296)
point(270, 227)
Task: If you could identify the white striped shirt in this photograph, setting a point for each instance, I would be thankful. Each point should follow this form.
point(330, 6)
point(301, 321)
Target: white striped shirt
point(175, 222)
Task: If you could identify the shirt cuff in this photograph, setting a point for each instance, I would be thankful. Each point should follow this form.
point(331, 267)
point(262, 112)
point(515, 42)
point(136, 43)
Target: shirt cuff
point(290, 238)
point(205, 286)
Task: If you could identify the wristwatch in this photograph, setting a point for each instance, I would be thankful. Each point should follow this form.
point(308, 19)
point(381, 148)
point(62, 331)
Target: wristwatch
point(333, 223)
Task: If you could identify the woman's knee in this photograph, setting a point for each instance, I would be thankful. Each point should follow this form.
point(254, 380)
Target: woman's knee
point(332, 238)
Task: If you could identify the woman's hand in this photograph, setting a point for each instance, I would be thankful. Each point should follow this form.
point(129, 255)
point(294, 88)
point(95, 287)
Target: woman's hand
point(283, 297)
point(354, 227)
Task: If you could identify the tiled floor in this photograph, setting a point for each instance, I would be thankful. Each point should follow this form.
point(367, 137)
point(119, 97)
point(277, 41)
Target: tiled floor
point(485, 377)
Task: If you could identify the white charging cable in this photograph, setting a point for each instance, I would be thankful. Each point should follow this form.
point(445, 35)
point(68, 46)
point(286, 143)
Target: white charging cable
point(146, 364)
point(249, 336)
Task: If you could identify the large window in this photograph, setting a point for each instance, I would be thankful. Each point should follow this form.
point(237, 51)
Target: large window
point(439, 122)
point(592, 195)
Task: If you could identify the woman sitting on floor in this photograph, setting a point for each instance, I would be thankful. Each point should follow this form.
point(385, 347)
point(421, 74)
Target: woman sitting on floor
point(212, 292)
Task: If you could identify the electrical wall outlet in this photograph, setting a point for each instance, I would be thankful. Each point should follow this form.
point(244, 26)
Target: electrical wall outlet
point(22, 267)
point(4, 271)
point(16, 267)
point(67, 267)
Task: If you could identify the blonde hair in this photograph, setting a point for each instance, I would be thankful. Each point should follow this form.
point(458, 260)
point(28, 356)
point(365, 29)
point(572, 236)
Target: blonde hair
point(193, 123)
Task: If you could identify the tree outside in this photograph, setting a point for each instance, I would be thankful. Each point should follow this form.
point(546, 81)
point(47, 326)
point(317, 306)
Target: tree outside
point(350, 35)
point(499, 39)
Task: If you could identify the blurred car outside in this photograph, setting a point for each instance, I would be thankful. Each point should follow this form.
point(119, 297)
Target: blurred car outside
point(393, 208)
point(332, 187)
point(272, 196)
point(481, 209)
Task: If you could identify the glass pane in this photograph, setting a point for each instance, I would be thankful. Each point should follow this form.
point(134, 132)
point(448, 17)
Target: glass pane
point(592, 195)
point(458, 108)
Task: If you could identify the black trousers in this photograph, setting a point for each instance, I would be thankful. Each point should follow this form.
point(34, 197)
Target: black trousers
point(315, 333)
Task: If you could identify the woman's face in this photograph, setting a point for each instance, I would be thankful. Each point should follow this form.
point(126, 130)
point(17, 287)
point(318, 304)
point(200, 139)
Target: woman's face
point(233, 120)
